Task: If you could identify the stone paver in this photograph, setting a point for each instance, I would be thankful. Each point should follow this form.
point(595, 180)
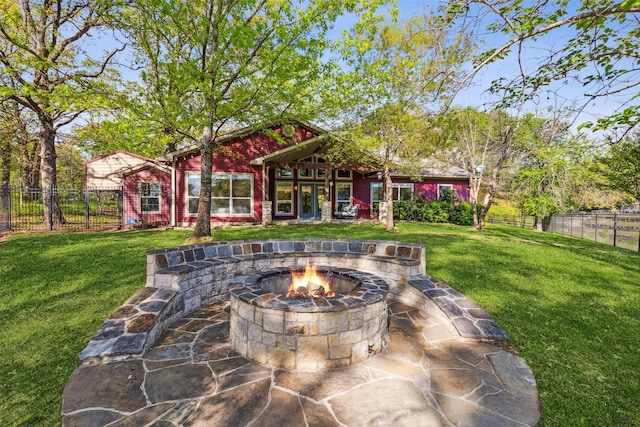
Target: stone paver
point(427, 376)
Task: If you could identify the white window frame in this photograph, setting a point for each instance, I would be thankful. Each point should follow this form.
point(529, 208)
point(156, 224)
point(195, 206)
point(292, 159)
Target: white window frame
point(341, 203)
point(284, 173)
point(231, 175)
point(196, 176)
point(449, 186)
point(344, 178)
point(395, 186)
point(158, 186)
point(277, 201)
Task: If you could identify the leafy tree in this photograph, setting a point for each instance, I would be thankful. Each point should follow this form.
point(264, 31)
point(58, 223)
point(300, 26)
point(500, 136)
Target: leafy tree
point(622, 167)
point(543, 183)
point(592, 43)
point(48, 67)
point(489, 145)
point(211, 66)
point(20, 152)
point(402, 73)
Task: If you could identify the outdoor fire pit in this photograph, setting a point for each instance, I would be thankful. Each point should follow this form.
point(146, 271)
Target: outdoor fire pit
point(309, 318)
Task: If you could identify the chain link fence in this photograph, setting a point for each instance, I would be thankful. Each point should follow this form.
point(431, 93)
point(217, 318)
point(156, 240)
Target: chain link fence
point(617, 229)
point(22, 209)
point(522, 221)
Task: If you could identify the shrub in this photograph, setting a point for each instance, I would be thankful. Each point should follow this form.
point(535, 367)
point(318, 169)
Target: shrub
point(462, 214)
point(434, 211)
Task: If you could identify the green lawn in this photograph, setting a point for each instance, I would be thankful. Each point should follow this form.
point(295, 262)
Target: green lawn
point(572, 308)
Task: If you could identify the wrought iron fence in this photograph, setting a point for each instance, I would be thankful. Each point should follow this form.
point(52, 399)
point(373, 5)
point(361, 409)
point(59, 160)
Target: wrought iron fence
point(620, 230)
point(22, 209)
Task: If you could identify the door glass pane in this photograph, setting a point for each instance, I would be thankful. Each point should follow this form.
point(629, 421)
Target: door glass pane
point(306, 199)
point(320, 197)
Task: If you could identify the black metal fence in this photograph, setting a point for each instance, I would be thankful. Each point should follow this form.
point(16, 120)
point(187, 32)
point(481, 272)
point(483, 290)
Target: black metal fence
point(82, 209)
point(620, 230)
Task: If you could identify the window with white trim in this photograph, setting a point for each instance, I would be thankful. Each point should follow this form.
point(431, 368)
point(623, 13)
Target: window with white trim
point(284, 198)
point(193, 193)
point(343, 174)
point(399, 192)
point(149, 196)
point(231, 194)
point(343, 195)
point(444, 187)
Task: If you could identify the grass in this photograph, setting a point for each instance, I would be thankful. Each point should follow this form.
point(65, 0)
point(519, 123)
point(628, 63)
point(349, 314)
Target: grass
point(571, 307)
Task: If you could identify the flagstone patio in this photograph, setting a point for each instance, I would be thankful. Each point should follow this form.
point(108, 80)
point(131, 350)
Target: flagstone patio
point(427, 376)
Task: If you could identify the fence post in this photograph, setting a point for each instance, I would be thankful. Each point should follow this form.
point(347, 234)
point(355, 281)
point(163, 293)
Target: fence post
point(9, 209)
point(86, 208)
point(571, 225)
point(596, 237)
point(121, 207)
point(51, 199)
point(582, 226)
point(615, 228)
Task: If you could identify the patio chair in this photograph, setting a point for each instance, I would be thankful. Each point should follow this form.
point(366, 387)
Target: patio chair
point(350, 211)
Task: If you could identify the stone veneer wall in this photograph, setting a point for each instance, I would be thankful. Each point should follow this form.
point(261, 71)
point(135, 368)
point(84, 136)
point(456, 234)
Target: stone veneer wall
point(183, 279)
point(309, 333)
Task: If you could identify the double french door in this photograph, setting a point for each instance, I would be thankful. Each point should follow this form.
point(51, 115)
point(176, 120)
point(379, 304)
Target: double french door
point(311, 197)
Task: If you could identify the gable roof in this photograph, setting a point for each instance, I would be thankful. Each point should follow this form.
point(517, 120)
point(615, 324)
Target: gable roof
point(239, 133)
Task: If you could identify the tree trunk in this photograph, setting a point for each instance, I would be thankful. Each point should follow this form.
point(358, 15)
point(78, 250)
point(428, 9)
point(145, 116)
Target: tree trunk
point(537, 223)
point(486, 204)
point(474, 190)
point(52, 212)
point(29, 174)
point(388, 199)
point(202, 229)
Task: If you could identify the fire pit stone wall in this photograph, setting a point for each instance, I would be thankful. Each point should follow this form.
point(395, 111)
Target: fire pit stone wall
point(310, 333)
point(182, 279)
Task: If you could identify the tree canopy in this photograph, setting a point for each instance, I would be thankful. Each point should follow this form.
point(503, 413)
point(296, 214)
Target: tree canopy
point(589, 44)
point(49, 67)
point(211, 66)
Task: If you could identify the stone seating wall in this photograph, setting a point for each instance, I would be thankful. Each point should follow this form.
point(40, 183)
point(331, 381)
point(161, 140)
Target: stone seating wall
point(183, 279)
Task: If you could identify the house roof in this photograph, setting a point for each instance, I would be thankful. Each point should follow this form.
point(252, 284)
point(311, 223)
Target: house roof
point(443, 171)
point(237, 133)
point(294, 152)
point(145, 165)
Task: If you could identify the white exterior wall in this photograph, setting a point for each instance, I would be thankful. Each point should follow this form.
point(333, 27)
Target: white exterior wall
point(107, 171)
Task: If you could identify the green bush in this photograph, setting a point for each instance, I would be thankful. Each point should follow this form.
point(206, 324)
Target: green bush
point(434, 211)
point(462, 214)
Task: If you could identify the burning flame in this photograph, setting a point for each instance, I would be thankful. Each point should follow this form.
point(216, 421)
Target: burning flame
point(309, 283)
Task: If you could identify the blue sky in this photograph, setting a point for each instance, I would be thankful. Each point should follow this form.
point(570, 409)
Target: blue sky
point(565, 93)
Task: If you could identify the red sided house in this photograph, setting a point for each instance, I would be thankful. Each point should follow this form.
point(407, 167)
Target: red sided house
point(258, 179)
